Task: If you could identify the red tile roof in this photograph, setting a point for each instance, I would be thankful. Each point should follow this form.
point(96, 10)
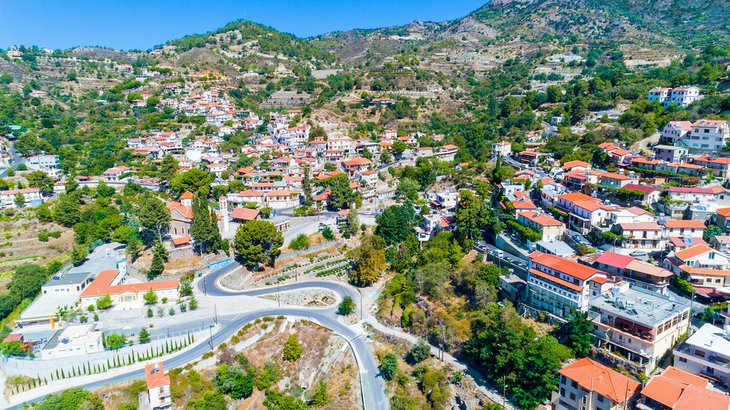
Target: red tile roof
point(614, 259)
point(102, 285)
point(245, 214)
point(605, 381)
point(684, 223)
point(155, 375)
point(563, 265)
point(680, 390)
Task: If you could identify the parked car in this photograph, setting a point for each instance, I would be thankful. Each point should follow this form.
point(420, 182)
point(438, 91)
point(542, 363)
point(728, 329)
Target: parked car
point(639, 254)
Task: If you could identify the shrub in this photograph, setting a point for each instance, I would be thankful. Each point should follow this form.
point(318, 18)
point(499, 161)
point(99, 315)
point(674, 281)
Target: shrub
point(292, 349)
point(346, 307)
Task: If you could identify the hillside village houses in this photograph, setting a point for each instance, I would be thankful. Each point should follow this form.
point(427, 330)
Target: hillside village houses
point(682, 96)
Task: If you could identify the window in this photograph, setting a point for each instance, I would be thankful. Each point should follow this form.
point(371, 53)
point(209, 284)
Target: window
point(710, 371)
point(683, 359)
point(572, 396)
point(700, 353)
point(599, 398)
point(562, 392)
point(574, 384)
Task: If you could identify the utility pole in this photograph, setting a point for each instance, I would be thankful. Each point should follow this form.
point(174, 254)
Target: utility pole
point(215, 313)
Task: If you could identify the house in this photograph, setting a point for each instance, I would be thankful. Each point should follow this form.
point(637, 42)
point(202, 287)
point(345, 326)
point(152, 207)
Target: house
point(707, 136)
point(158, 386)
point(721, 243)
point(356, 166)
point(108, 283)
point(705, 268)
point(638, 273)
point(640, 325)
point(281, 199)
point(529, 156)
point(589, 385)
point(682, 96)
point(675, 131)
point(670, 153)
point(677, 389)
point(587, 215)
point(683, 227)
point(44, 162)
point(722, 219)
point(706, 353)
point(73, 340)
point(116, 173)
point(551, 228)
point(501, 149)
point(31, 196)
point(559, 286)
point(649, 195)
point(719, 166)
point(640, 235)
point(687, 194)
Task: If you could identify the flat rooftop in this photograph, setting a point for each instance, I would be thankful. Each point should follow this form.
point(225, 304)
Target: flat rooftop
point(640, 306)
point(47, 305)
point(712, 338)
point(71, 335)
point(69, 278)
point(559, 248)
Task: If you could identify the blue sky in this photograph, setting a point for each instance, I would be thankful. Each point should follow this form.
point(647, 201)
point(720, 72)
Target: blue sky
point(142, 24)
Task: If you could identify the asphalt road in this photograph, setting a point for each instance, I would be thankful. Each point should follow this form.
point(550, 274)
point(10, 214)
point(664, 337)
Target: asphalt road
point(373, 386)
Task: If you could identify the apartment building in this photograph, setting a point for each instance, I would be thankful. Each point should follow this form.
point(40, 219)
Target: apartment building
point(44, 162)
point(158, 386)
point(641, 325)
point(559, 286)
point(682, 96)
point(638, 273)
point(707, 136)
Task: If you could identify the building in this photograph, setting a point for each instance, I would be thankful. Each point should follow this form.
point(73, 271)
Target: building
point(109, 283)
point(116, 174)
point(706, 353)
point(641, 325)
point(75, 340)
point(678, 390)
point(674, 131)
point(158, 386)
point(181, 215)
point(31, 196)
point(684, 227)
point(589, 385)
point(44, 162)
point(560, 286)
point(670, 153)
point(551, 228)
point(682, 96)
point(501, 149)
point(704, 267)
point(707, 136)
point(638, 273)
point(640, 235)
point(649, 195)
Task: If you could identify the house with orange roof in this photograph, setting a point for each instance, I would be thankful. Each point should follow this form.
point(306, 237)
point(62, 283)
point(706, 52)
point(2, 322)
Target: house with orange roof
point(559, 286)
point(675, 131)
point(682, 227)
point(587, 215)
point(719, 166)
point(722, 219)
point(356, 165)
point(707, 269)
point(576, 165)
point(676, 389)
point(646, 236)
point(551, 229)
point(587, 384)
point(115, 174)
point(158, 386)
point(111, 282)
point(181, 215)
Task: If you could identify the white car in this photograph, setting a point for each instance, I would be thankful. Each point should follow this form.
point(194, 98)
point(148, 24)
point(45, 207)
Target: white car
point(639, 254)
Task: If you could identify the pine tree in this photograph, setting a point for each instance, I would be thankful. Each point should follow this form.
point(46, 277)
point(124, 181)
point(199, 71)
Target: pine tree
point(307, 188)
point(159, 257)
point(204, 228)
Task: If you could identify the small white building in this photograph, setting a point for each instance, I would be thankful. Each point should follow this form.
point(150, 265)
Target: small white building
point(158, 386)
point(682, 96)
point(75, 340)
point(501, 149)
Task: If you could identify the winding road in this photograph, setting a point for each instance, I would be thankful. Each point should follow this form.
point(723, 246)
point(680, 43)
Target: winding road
point(372, 384)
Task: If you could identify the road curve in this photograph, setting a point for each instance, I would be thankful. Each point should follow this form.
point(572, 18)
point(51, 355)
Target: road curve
point(373, 386)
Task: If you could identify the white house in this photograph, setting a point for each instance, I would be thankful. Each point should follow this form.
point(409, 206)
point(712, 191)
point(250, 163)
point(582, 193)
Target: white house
point(108, 283)
point(44, 162)
point(75, 340)
point(682, 96)
point(158, 386)
point(32, 197)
